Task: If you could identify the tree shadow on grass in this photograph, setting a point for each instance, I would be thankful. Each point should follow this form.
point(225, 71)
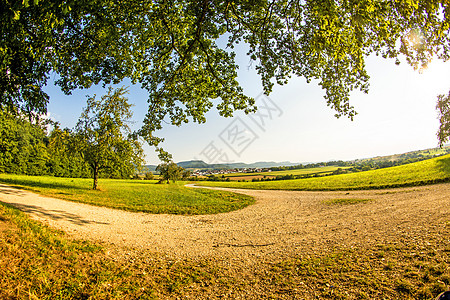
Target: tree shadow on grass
point(53, 214)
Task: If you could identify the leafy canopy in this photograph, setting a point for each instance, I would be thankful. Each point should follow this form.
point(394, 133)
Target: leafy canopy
point(171, 48)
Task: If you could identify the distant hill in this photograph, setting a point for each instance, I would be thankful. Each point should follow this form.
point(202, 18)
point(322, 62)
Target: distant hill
point(149, 168)
point(194, 164)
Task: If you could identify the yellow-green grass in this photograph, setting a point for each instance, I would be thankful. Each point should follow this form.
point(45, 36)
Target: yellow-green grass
point(133, 195)
point(430, 171)
point(327, 169)
point(37, 262)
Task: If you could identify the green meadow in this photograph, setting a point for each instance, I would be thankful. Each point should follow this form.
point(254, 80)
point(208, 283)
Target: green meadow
point(434, 170)
point(133, 195)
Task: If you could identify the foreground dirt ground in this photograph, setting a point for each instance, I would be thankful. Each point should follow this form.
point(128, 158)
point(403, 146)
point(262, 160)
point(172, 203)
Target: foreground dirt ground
point(280, 223)
point(389, 244)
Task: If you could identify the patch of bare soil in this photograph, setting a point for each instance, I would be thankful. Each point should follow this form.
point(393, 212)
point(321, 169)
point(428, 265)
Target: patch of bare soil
point(280, 223)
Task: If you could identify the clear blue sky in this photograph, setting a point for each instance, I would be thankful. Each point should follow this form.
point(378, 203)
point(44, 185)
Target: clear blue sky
point(295, 124)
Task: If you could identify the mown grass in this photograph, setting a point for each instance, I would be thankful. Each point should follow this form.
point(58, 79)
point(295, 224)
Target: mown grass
point(133, 195)
point(434, 170)
point(37, 262)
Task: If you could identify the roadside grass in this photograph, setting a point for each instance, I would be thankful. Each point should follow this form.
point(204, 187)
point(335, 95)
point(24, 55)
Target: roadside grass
point(133, 195)
point(403, 269)
point(37, 262)
point(430, 171)
point(40, 263)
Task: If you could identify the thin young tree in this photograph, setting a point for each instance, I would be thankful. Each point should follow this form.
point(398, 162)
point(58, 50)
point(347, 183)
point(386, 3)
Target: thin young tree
point(104, 138)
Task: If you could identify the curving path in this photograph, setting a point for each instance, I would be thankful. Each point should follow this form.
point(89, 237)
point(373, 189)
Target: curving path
point(279, 223)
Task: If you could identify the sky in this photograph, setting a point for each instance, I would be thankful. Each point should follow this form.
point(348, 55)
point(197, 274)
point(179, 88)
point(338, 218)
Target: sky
point(294, 123)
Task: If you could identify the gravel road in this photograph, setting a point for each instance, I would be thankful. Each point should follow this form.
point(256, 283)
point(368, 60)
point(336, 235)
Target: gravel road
point(279, 223)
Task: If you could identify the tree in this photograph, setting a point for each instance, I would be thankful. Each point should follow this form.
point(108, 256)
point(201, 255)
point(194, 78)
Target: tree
point(443, 107)
point(148, 176)
point(74, 39)
point(185, 174)
point(26, 147)
point(104, 138)
point(181, 52)
point(64, 159)
point(22, 145)
point(170, 171)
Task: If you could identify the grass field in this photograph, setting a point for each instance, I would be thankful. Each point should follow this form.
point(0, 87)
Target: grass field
point(133, 195)
point(424, 172)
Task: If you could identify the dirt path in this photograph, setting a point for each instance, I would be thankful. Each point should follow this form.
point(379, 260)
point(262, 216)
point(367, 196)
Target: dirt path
point(279, 223)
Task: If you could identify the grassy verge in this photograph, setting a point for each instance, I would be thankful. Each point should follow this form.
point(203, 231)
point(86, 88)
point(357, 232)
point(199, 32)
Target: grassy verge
point(40, 263)
point(424, 172)
point(403, 269)
point(133, 195)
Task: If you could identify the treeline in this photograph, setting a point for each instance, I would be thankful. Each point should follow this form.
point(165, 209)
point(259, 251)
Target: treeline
point(380, 164)
point(338, 163)
point(32, 146)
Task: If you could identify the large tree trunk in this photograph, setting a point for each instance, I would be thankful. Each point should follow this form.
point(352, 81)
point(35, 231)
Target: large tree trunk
point(95, 169)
